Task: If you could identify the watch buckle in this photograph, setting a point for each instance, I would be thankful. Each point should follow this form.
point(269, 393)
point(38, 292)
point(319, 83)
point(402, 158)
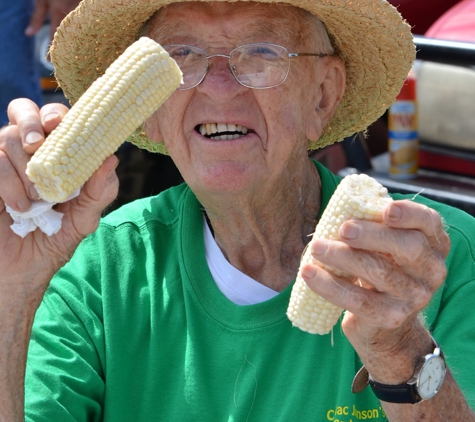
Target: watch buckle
point(360, 381)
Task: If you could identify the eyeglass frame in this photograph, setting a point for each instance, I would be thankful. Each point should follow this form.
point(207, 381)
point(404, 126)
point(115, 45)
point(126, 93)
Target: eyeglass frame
point(228, 56)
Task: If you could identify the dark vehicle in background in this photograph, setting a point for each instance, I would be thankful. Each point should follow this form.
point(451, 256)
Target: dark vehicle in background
point(422, 14)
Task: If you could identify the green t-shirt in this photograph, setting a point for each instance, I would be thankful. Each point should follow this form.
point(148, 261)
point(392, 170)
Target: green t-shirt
point(134, 328)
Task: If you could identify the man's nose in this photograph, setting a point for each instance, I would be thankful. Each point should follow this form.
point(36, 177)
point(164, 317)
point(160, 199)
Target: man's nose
point(219, 71)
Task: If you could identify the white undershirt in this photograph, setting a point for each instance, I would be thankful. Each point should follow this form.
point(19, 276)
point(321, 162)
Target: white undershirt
point(235, 285)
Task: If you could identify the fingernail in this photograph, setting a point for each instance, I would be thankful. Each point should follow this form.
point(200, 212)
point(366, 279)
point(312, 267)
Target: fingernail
point(308, 272)
point(395, 213)
point(34, 193)
point(350, 231)
point(23, 204)
point(111, 174)
point(33, 138)
point(318, 248)
point(50, 116)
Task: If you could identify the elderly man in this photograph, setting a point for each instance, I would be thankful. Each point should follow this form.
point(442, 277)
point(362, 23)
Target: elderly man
point(174, 308)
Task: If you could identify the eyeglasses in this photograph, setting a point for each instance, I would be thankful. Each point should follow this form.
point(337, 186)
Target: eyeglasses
point(257, 65)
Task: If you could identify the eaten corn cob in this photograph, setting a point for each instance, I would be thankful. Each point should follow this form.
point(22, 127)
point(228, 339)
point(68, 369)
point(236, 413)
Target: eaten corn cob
point(132, 88)
point(357, 196)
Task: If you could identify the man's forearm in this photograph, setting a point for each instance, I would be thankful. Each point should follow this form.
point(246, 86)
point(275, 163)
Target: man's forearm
point(396, 366)
point(16, 319)
point(449, 405)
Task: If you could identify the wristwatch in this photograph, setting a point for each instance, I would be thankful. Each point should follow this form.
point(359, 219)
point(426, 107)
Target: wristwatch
point(424, 385)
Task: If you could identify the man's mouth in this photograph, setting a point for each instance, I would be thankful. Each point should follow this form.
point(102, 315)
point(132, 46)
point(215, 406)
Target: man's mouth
point(221, 131)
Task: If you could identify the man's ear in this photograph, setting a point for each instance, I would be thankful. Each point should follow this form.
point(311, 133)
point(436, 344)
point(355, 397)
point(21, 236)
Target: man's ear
point(329, 94)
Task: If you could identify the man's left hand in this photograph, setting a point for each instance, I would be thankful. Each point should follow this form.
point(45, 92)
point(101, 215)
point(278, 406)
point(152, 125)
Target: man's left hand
point(397, 266)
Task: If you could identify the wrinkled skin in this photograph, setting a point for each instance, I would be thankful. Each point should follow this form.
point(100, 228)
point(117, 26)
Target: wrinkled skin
point(248, 185)
point(262, 197)
point(398, 265)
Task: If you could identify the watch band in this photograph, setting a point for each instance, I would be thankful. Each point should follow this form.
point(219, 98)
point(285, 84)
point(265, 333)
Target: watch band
point(403, 393)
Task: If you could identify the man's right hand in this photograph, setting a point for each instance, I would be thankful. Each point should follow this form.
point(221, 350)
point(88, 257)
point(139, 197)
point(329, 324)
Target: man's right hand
point(27, 264)
point(32, 261)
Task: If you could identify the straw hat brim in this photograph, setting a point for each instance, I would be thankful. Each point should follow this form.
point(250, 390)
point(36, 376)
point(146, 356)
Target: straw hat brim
point(370, 36)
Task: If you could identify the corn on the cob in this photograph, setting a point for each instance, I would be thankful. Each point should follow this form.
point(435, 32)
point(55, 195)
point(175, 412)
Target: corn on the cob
point(356, 197)
point(132, 88)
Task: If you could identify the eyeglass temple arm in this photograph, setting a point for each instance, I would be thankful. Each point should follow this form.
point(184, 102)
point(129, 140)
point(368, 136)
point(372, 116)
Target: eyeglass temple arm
point(307, 54)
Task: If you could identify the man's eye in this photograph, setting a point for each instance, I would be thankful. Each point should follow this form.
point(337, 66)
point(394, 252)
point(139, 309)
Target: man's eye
point(262, 52)
point(181, 53)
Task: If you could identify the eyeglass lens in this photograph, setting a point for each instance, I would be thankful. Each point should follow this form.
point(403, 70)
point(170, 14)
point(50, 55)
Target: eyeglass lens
point(258, 65)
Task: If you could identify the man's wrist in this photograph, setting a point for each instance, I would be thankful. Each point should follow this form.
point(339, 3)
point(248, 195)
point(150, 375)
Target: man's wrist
point(394, 360)
point(425, 383)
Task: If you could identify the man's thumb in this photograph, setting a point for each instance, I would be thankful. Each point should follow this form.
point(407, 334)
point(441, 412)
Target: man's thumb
point(103, 186)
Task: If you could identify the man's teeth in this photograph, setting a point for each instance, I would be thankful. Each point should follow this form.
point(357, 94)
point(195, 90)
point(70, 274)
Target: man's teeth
point(221, 131)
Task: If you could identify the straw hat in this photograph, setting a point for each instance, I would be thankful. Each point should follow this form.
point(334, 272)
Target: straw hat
point(370, 36)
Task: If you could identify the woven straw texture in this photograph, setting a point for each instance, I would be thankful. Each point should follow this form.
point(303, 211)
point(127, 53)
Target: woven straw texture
point(370, 36)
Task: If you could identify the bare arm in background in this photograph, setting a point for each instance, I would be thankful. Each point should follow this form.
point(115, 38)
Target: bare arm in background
point(57, 10)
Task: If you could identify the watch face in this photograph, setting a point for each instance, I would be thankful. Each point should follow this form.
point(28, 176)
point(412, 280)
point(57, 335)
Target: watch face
point(431, 377)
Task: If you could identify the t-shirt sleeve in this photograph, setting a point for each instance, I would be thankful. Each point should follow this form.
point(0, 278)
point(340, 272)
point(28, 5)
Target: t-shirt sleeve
point(65, 367)
point(454, 325)
point(450, 316)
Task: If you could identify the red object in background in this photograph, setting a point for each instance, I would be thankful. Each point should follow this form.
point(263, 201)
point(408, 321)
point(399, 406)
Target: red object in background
point(447, 161)
point(421, 14)
point(457, 24)
point(408, 90)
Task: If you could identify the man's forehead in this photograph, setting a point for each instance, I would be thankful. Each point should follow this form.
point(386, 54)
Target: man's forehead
point(243, 21)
